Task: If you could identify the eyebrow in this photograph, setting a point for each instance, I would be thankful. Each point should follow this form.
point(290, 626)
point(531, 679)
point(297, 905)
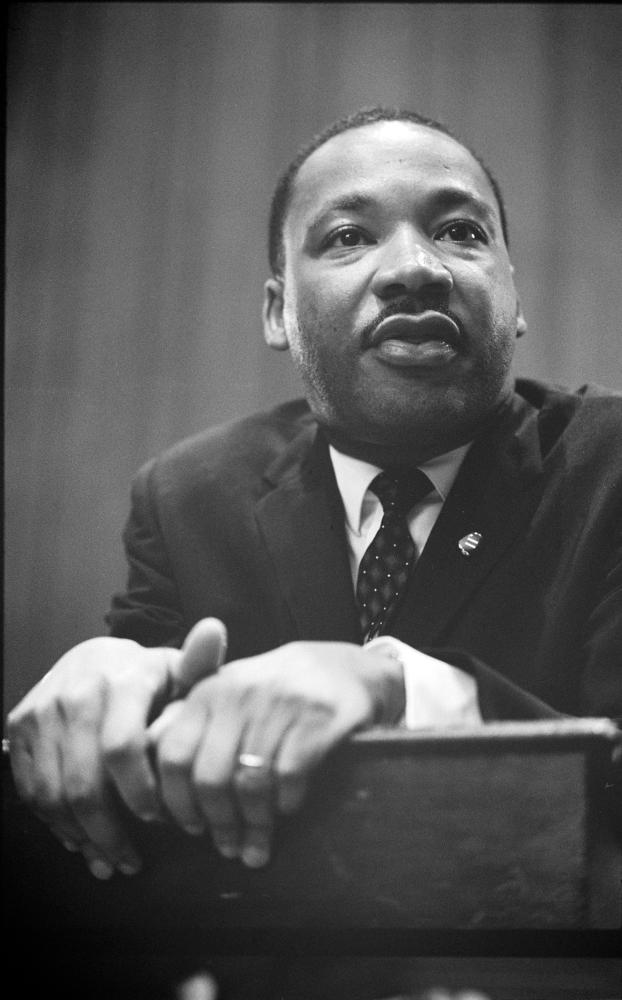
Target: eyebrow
point(446, 198)
point(452, 197)
point(345, 203)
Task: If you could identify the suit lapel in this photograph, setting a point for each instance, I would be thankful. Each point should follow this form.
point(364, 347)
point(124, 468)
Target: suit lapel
point(495, 494)
point(301, 520)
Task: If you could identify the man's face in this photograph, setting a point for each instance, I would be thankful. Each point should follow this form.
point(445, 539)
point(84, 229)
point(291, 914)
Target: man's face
point(397, 299)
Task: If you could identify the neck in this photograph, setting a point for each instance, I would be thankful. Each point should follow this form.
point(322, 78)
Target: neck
point(406, 454)
point(415, 449)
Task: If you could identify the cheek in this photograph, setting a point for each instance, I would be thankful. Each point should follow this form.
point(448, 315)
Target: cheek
point(332, 297)
point(308, 310)
point(493, 297)
point(312, 321)
point(301, 305)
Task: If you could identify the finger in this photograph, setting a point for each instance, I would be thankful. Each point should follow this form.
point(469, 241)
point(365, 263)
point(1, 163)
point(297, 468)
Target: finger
point(200, 986)
point(212, 776)
point(303, 746)
point(89, 797)
point(255, 779)
point(470, 995)
point(436, 994)
point(71, 836)
point(203, 653)
point(262, 790)
point(38, 775)
point(163, 721)
point(38, 781)
point(125, 746)
point(254, 790)
point(291, 790)
point(108, 848)
point(98, 865)
point(176, 750)
point(63, 826)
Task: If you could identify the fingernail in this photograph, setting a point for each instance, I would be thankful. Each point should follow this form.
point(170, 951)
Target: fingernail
point(101, 869)
point(129, 867)
point(228, 851)
point(194, 829)
point(255, 857)
point(152, 817)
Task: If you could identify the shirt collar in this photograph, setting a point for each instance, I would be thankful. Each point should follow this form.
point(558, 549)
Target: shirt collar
point(354, 476)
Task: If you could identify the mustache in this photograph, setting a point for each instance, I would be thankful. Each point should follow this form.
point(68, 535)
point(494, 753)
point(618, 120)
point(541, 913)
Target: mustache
point(409, 305)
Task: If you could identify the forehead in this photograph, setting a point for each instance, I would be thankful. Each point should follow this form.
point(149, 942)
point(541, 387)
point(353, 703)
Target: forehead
point(412, 158)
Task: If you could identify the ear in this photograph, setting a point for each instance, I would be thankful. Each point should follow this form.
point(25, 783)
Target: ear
point(272, 313)
point(521, 322)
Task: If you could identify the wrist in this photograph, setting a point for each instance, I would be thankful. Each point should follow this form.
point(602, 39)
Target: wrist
point(389, 689)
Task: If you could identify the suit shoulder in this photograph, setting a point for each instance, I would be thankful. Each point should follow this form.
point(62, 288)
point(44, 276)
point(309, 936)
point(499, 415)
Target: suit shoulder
point(540, 393)
point(245, 446)
point(598, 399)
point(598, 430)
point(587, 420)
point(589, 402)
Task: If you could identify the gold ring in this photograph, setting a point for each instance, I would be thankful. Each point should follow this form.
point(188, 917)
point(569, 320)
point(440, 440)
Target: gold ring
point(251, 760)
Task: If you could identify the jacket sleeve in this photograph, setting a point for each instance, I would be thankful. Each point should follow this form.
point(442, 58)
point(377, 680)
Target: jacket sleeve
point(149, 610)
point(602, 676)
point(598, 656)
point(499, 698)
point(601, 680)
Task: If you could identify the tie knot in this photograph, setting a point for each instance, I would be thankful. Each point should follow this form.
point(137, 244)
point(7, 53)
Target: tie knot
point(399, 492)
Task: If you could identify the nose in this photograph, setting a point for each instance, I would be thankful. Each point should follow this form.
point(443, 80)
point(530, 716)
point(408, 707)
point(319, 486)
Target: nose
point(409, 265)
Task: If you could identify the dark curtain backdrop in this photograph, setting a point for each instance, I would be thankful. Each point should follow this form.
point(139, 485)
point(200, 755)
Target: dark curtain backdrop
point(143, 142)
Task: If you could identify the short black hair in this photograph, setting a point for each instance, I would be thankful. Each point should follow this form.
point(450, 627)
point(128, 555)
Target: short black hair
point(365, 116)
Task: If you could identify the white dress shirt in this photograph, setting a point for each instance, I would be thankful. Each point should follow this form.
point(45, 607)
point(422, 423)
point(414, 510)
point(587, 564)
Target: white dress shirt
point(437, 694)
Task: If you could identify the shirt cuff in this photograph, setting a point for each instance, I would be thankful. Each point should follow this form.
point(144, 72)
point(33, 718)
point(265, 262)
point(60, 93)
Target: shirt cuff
point(437, 694)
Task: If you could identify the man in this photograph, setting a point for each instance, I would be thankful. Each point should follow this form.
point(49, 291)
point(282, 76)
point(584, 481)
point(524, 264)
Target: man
point(488, 588)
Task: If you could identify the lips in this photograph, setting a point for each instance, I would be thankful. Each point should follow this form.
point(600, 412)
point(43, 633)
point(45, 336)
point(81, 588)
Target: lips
point(426, 339)
point(417, 329)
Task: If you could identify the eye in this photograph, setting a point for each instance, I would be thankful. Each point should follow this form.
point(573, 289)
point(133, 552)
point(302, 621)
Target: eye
point(347, 237)
point(461, 231)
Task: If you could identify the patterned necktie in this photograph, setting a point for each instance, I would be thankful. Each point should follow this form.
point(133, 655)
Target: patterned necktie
point(386, 564)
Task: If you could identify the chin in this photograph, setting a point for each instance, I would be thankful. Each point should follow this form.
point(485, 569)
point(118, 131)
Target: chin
point(430, 425)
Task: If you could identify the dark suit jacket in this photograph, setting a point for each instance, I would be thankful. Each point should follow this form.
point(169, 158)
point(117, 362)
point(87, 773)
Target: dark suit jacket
point(245, 522)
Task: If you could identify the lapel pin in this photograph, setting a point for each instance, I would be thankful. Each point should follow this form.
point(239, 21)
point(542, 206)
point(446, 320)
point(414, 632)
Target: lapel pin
point(469, 543)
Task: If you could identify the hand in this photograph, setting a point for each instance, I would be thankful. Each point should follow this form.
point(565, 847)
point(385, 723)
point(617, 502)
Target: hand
point(285, 710)
point(79, 738)
point(200, 986)
point(442, 994)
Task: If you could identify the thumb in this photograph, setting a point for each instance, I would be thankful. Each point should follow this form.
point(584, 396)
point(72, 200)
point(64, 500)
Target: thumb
point(202, 654)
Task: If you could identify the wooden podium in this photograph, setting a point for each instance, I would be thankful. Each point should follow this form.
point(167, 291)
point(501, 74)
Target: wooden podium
point(408, 843)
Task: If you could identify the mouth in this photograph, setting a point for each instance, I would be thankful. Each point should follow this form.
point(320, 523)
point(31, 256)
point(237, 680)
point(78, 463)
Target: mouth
point(426, 339)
